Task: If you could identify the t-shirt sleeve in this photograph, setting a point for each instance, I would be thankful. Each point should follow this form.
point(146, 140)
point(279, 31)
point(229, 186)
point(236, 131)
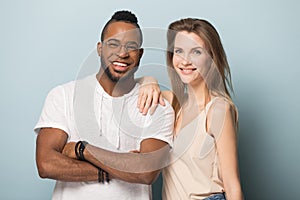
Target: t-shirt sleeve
point(162, 125)
point(54, 112)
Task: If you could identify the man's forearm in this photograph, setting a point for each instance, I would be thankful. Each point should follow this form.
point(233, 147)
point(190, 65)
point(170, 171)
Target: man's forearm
point(131, 167)
point(60, 167)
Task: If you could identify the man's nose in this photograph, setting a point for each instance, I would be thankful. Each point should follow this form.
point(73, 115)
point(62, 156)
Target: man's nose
point(122, 51)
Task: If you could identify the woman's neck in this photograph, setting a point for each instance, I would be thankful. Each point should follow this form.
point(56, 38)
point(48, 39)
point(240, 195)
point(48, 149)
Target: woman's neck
point(198, 94)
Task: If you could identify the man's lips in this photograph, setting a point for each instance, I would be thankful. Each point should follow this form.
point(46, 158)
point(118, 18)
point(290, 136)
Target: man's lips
point(120, 66)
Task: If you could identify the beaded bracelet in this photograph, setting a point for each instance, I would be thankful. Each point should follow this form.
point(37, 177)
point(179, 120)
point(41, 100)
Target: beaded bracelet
point(103, 176)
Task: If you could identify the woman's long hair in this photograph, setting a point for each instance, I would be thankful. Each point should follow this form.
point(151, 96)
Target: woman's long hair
point(217, 77)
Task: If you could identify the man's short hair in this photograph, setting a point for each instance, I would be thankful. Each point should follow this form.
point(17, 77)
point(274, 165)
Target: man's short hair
point(122, 16)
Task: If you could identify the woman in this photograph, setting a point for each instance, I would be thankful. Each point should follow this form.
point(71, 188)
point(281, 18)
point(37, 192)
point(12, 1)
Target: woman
point(204, 163)
point(207, 168)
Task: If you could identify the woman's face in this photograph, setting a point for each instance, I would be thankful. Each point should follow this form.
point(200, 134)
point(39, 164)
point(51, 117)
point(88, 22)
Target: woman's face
point(191, 61)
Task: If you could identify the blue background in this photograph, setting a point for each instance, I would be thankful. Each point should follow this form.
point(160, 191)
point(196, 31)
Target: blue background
point(43, 44)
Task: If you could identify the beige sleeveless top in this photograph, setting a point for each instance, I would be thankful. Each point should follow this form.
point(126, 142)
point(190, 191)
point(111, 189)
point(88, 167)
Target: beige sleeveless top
point(194, 172)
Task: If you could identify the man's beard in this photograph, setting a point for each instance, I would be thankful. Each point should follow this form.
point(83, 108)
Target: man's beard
point(110, 76)
point(115, 78)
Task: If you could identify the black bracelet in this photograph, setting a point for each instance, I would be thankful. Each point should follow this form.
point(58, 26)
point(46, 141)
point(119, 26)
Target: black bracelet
point(107, 177)
point(100, 175)
point(76, 151)
point(79, 149)
point(103, 176)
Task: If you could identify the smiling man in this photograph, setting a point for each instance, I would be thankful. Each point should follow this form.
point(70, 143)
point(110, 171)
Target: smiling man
point(99, 164)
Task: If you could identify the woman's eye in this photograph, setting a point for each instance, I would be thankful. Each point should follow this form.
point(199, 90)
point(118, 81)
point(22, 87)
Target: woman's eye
point(197, 52)
point(177, 51)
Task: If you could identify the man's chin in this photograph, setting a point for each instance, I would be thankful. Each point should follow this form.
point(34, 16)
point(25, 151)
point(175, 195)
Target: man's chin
point(119, 75)
point(112, 77)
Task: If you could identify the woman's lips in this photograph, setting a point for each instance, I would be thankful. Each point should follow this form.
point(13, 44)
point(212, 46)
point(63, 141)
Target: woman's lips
point(187, 71)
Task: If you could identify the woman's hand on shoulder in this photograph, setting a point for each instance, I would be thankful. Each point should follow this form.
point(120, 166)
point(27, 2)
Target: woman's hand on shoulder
point(149, 95)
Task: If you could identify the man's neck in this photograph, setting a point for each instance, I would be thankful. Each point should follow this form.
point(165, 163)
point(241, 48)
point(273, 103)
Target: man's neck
point(115, 89)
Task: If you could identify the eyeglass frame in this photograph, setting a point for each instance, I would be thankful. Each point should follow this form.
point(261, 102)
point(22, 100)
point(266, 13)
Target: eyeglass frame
point(119, 45)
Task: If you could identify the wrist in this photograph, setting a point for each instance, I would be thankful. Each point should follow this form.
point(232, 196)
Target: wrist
point(148, 80)
point(79, 150)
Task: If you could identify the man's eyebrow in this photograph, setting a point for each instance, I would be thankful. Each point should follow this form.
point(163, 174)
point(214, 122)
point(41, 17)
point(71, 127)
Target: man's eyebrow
point(132, 42)
point(113, 39)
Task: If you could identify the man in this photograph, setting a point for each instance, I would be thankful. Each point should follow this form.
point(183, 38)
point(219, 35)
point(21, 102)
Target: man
point(65, 116)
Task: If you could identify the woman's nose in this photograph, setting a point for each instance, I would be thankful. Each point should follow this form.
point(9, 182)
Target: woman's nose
point(186, 60)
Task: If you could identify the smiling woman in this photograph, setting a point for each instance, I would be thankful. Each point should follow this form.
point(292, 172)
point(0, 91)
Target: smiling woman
point(206, 118)
point(189, 56)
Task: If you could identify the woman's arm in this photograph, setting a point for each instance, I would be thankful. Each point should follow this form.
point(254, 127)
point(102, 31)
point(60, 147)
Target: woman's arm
point(149, 95)
point(221, 124)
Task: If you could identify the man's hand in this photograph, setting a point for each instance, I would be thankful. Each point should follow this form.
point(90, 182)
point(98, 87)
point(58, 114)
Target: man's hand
point(69, 150)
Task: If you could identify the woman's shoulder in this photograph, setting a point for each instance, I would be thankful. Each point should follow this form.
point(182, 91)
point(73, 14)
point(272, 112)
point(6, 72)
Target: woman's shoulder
point(222, 105)
point(223, 101)
point(168, 95)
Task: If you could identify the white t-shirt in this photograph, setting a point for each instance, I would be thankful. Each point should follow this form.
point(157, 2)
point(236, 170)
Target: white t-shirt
point(86, 112)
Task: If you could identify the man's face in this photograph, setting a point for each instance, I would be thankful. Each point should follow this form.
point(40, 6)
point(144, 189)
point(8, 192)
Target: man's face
point(120, 51)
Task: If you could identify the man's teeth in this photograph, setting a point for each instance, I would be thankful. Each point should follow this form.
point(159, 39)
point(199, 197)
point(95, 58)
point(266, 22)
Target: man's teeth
point(120, 64)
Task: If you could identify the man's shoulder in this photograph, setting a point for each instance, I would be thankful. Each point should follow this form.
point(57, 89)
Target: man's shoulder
point(160, 111)
point(70, 86)
point(167, 109)
point(62, 88)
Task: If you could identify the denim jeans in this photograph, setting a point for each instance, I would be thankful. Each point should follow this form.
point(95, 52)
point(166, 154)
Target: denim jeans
point(216, 197)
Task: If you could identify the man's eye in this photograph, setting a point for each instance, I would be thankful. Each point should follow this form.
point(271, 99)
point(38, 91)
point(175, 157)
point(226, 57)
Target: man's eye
point(113, 45)
point(131, 47)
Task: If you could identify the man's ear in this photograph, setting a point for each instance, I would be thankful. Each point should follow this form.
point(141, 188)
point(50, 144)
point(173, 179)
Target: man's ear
point(99, 48)
point(141, 52)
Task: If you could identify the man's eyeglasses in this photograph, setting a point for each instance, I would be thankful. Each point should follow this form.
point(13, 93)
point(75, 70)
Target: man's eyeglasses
point(116, 45)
